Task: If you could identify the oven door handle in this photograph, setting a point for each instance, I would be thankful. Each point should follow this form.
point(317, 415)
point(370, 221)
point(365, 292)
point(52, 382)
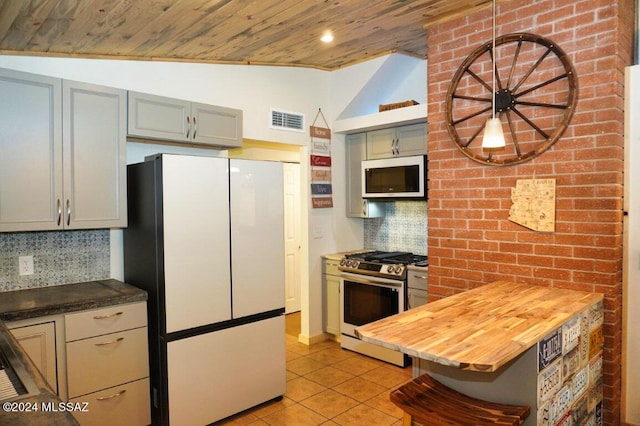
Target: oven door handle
point(363, 279)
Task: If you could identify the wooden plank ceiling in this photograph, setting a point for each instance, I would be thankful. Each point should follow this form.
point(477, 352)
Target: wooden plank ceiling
point(273, 32)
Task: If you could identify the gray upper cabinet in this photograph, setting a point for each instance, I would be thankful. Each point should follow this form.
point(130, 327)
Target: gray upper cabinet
point(400, 141)
point(160, 118)
point(63, 159)
point(94, 156)
point(356, 151)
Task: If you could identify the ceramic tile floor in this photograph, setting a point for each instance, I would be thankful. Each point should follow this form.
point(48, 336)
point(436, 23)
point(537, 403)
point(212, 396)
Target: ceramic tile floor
point(327, 385)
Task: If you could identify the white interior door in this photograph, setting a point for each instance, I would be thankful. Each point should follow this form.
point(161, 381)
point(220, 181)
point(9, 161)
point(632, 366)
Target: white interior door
point(292, 240)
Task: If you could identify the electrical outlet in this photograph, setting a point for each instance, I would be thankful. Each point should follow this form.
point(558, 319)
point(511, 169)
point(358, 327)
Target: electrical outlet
point(25, 265)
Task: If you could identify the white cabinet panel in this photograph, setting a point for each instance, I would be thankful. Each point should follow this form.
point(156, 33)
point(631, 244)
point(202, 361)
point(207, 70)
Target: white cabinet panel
point(106, 361)
point(39, 342)
point(158, 117)
point(31, 147)
point(216, 125)
point(411, 140)
point(63, 154)
point(127, 404)
point(107, 364)
point(196, 241)
point(356, 151)
point(237, 368)
point(94, 150)
point(257, 235)
point(331, 278)
point(112, 319)
point(403, 141)
point(381, 143)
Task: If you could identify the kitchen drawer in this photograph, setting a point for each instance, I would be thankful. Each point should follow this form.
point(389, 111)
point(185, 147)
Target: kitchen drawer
point(105, 361)
point(417, 278)
point(105, 320)
point(127, 404)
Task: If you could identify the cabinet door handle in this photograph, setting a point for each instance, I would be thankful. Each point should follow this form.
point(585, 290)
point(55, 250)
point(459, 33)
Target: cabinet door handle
point(195, 127)
point(115, 314)
point(115, 395)
point(110, 342)
point(59, 211)
point(364, 207)
point(188, 126)
point(68, 213)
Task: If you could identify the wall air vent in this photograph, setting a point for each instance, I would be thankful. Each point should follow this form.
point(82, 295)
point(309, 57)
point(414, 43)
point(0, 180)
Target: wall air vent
point(287, 120)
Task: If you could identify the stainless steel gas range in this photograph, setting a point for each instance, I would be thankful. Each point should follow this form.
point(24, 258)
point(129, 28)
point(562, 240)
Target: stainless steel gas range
point(373, 285)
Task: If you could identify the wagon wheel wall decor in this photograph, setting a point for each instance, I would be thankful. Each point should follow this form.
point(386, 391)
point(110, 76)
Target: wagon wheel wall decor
point(536, 94)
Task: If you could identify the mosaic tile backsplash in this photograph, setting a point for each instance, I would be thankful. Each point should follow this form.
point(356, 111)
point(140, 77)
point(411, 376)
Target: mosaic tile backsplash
point(403, 228)
point(58, 258)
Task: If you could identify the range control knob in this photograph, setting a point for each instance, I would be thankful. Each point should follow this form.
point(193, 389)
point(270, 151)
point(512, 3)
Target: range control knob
point(396, 269)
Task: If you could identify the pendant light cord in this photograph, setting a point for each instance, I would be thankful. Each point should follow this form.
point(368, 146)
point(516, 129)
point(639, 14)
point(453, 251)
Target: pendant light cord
point(493, 63)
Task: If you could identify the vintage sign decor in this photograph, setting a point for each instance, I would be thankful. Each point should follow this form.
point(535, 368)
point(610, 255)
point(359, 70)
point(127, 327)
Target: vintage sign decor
point(320, 161)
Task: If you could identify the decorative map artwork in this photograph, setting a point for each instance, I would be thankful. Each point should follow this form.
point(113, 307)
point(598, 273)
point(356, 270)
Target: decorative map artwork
point(534, 204)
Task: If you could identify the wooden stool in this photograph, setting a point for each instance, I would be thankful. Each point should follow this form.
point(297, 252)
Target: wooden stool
point(430, 403)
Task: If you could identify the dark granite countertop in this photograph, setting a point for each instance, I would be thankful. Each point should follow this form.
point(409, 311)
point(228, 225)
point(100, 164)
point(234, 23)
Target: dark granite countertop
point(38, 302)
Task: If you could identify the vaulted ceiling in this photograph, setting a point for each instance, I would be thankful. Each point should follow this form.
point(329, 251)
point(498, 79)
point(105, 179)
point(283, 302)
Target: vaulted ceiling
point(272, 32)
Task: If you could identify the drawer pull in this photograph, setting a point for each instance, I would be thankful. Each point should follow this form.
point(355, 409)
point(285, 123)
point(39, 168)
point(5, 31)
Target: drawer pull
point(115, 395)
point(108, 315)
point(110, 342)
point(423, 277)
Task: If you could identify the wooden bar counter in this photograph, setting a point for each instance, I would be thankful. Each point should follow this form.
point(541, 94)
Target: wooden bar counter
point(509, 343)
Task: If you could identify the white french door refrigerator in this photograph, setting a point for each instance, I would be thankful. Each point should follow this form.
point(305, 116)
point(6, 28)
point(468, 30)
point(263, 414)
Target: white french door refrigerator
point(206, 241)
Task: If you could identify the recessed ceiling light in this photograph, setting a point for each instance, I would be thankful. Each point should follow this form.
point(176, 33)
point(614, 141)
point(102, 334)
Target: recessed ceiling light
point(327, 37)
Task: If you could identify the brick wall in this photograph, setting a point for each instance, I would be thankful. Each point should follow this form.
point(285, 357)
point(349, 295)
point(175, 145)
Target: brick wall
point(471, 241)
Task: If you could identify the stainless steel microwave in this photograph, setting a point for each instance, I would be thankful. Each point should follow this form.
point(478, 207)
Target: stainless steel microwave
point(395, 178)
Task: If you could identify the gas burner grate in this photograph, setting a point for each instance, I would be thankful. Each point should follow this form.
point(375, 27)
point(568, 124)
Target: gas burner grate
point(389, 257)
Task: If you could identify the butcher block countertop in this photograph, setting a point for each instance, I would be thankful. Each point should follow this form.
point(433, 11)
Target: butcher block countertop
point(481, 329)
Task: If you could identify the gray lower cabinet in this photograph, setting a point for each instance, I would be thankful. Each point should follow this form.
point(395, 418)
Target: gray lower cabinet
point(402, 141)
point(331, 293)
point(416, 286)
point(97, 358)
point(63, 160)
point(38, 339)
point(108, 364)
point(161, 118)
point(356, 151)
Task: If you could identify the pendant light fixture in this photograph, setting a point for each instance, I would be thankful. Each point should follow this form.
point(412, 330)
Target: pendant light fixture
point(493, 136)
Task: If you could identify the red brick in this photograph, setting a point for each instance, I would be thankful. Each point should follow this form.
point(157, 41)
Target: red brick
point(584, 252)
